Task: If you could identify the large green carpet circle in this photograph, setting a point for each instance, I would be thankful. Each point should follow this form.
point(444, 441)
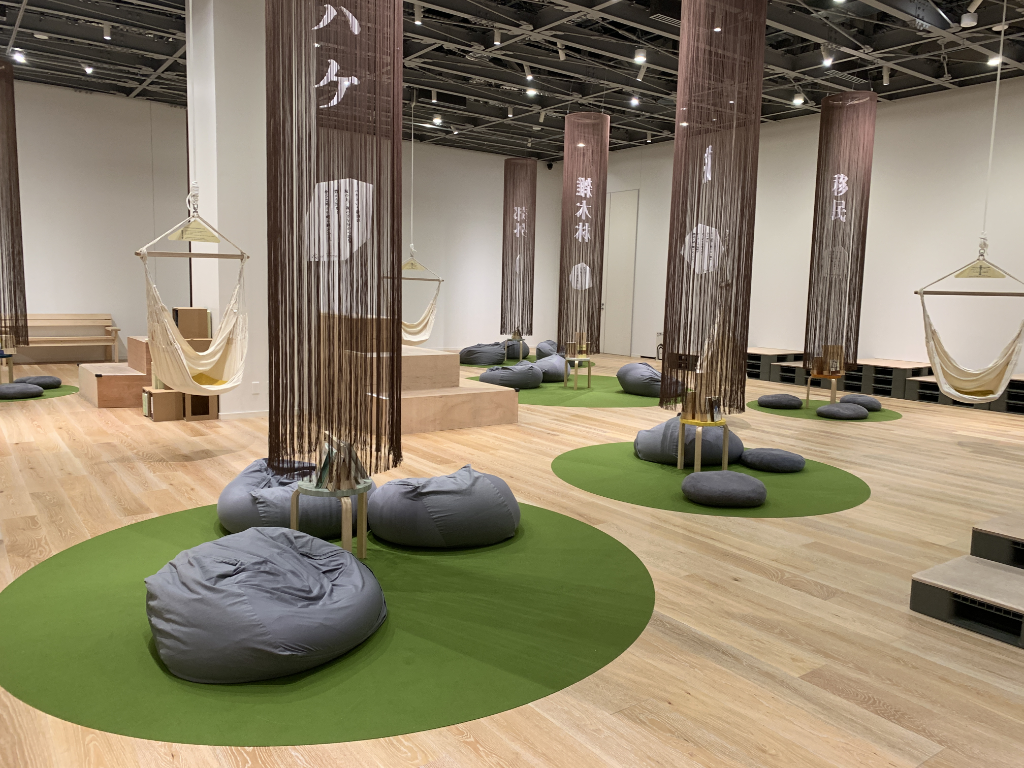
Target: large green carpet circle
point(604, 392)
point(61, 391)
point(469, 633)
point(809, 413)
point(612, 470)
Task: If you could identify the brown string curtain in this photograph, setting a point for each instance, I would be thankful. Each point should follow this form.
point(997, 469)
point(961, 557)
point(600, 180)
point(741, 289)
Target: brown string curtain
point(334, 81)
point(846, 141)
point(13, 321)
point(517, 246)
point(714, 186)
point(581, 267)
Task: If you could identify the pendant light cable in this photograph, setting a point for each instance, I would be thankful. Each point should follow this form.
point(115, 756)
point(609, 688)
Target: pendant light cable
point(983, 247)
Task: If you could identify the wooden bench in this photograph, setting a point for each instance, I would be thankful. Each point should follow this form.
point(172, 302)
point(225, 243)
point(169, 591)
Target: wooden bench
point(105, 334)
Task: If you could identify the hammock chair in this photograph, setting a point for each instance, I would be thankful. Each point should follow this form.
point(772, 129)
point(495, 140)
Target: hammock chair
point(955, 381)
point(418, 331)
point(175, 363)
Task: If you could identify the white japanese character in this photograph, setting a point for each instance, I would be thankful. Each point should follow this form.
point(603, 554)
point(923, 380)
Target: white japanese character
point(582, 211)
point(330, 12)
point(839, 210)
point(582, 233)
point(839, 184)
point(343, 83)
point(584, 187)
point(520, 213)
point(520, 230)
point(707, 163)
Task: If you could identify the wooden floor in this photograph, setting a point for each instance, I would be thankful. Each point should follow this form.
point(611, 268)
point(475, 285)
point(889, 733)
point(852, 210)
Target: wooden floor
point(773, 643)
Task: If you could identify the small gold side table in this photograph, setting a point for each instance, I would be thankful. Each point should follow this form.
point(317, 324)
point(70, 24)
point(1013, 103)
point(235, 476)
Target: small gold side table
point(576, 377)
point(309, 489)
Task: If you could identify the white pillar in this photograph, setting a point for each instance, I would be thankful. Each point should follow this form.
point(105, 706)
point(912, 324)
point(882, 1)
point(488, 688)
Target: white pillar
point(227, 99)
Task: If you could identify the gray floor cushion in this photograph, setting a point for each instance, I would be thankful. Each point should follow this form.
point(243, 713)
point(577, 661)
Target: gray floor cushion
point(260, 498)
point(786, 402)
point(553, 368)
point(843, 411)
point(483, 354)
point(46, 382)
point(546, 349)
point(867, 402)
point(524, 375)
point(261, 604)
point(772, 460)
point(464, 509)
point(19, 391)
point(724, 489)
point(514, 348)
point(660, 444)
point(640, 379)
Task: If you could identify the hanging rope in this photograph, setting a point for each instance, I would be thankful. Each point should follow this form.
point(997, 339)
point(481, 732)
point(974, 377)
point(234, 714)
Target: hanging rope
point(412, 174)
point(983, 247)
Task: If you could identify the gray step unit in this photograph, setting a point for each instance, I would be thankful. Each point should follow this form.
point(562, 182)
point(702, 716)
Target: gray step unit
point(1000, 540)
point(760, 360)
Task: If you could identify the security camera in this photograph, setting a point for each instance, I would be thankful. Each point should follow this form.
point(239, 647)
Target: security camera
point(551, 166)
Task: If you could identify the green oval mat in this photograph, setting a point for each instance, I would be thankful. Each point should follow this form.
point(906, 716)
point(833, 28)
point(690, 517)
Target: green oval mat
point(604, 392)
point(809, 413)
point(469, 633)
point(61, 391)
point(612, 470)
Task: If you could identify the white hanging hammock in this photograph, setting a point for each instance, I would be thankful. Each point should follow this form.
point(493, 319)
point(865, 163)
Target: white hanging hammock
point(418, 331)
point(175, 363)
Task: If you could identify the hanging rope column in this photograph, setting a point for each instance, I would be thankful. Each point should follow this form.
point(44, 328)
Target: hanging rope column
point(334, 117)
point(846, 142)
point(518, 241)
point(13, 320)
point(581, 267)
point(714, 186)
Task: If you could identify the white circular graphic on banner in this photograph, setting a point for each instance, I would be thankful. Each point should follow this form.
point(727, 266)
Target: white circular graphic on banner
point(703, 249)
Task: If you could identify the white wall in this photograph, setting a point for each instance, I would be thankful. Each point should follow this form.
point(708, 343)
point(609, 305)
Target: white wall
point(100, 177)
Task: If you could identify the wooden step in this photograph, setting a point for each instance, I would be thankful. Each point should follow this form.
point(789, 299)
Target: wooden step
point(1000, 539)
point(112, 385)
point(474, 404)
point(138, 354)
point(977, 594)
point(428, 369)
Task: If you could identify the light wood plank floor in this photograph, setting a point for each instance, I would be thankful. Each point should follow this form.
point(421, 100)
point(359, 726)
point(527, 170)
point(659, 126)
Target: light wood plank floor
point(774, 642)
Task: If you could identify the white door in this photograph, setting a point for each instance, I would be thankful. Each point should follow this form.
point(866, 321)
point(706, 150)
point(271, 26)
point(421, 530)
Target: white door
point(619, 265)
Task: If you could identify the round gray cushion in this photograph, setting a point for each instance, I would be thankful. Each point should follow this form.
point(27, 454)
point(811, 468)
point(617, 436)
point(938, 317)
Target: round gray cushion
point(19, 391)
point(260, 498)
point(724, 489)
point(546, 349)
point(464, 509)
point(46, 382)
point(524, 375)
point(787, 402)
point(843, 411)
point(639, 379)
point(513, 349)
point(261, 604)
point(867, 402)
point(660, 444)
point(553, 368)
point(483, 354)
point(772, 460)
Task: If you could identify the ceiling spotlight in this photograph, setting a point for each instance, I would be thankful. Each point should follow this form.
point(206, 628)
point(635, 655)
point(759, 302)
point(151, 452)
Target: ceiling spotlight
point(994, 61)
point(41, 36)
point(536, 127)
point(731, 101)
point(433, 96)
point(828, 55)
point(497, 37)
point(19, 57)
point(684, 124)
point(581, 144)
point(717, 28)
point(454, 132)
point(527, 70)
point(799, 98)
point(417, 14)
point(437, 120)
point(648, 137)
point(106, 30)
point(531, 91)
point(885, 74)
point(635, 101)
point(542, 113)
point(87, 68)
point(510, 111)
point(838, 2)
point(561, 51)
point(970, 19)
point(640, 55)
point(642, 72)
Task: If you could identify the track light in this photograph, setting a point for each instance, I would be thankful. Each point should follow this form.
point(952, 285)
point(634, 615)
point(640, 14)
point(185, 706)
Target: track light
point(531, 91)
point(648, 137)
point(635, 101)
point(19, 57)
point(417, 14)
point(87, 68)
point(642, 72)
point(970, 19)
point(437, 120)
point(799, 98)
point(828, 55)
point(497, 37)
point(542, 113)
point(454, 132)
point(106, 30)
point(528, 71)
point(640, 55)
point(885, 74)
point(433, 96)
point(510, 111)
point(561, 51)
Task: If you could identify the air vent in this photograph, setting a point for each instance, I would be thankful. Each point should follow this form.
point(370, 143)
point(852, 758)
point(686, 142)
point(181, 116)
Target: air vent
point(848, 78)
point(666, 11)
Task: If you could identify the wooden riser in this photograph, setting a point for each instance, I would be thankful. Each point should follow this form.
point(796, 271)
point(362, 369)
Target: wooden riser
point(1000, 540)
point(471, 405)
point(975, 594)
point(428, 369)
point(112, 385)
point(138, 354)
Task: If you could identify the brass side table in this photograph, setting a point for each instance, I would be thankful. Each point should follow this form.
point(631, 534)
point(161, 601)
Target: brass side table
point(576, 377)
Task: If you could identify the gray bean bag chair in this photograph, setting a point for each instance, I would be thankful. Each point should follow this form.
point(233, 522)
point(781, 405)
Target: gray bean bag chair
point(867, 402)
point(784, 402)
point(19, 391)
point(524, 375)
point(724, 489)
point(772, 460)
point(464, 509)
point(261, 604)
point(660, 444)
point(513, 349)
point(46, 382)
point(546, 349)
point(483, 354)
point(639, 379)
point(843, 411)
point(261, 498)
point(553, 368)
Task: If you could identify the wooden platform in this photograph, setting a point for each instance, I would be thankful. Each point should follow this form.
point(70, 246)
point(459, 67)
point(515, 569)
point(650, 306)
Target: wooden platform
point(760, 360)
point(1000, 539)
point(112, 385)
point(428, 369)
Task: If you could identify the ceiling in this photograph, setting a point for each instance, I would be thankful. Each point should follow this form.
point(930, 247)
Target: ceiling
point(467, 61)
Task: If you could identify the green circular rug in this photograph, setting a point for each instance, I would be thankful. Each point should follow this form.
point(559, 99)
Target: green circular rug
point(529, 359)
point(612, 470)
point(809, 413)
point(469, 633)
point(604, 392)
point(66, 389)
